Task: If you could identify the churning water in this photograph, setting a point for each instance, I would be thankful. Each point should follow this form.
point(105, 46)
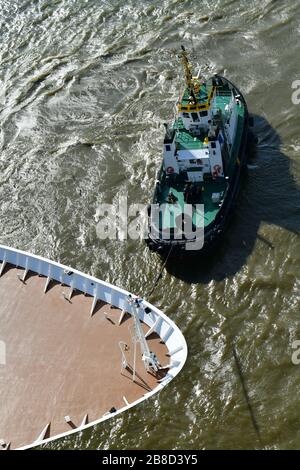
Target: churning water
point(85, 87)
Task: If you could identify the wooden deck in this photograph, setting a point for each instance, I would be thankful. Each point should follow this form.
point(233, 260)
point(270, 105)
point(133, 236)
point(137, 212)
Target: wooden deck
point(60, 361)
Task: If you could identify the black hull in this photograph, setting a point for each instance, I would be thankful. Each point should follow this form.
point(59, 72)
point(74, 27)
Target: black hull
point(214, 232)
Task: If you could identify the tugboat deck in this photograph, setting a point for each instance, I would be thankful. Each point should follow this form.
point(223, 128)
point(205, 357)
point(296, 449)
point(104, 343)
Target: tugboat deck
point(211, 209)
point(61, 361)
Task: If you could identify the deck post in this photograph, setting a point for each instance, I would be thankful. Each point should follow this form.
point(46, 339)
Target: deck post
point(48, 279)
point(44, 432)
point(85, 420)
point(4, 445)
point(122, 315)
point(26, 268)
point(174, 351)
point(126, 401)
point(171, 365)
point(153, 327)
point(95, 300)
point(167, 334)
point(2, 267)
point(47, 284)
point(71, 292)
point(25, 274)
point(22, 278)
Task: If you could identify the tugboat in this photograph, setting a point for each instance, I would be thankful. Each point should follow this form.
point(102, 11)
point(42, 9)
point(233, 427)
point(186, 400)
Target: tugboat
point(204, 153)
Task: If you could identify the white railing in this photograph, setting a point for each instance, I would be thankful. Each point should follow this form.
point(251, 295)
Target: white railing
point(157, 321)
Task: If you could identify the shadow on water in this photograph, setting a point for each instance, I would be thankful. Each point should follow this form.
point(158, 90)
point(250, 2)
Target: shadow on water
point(268, 194)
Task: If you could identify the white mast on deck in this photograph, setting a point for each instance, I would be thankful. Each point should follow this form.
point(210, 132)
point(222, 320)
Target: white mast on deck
point(149, 358)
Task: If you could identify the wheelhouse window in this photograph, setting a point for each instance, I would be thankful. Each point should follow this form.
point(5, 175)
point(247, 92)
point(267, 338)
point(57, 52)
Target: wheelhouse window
point(195, 117)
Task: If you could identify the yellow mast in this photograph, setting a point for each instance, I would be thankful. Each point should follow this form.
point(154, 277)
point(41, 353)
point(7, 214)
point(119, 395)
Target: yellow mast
point(188, 73)
point(187, 68)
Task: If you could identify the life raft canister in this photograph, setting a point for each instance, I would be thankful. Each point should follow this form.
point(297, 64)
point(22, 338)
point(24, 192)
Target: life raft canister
point(170, 170)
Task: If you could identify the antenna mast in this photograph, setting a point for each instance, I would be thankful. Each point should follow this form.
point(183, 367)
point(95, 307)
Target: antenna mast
point(188, 72)
point(149, 358)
